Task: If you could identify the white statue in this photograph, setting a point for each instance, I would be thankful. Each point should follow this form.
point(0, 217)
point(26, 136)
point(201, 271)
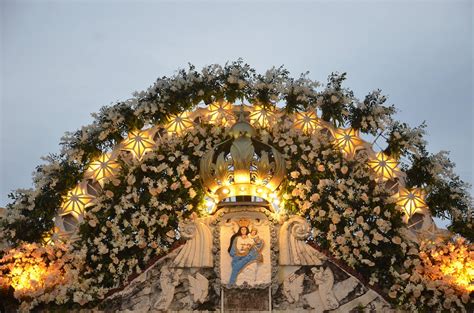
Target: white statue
point(169, 279)
point(323, 298)
point(293, 248)
point(293, 287)
point(197, 251)
point(199, 287)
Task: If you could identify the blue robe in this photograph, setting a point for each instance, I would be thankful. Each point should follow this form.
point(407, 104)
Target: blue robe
point(239, 261)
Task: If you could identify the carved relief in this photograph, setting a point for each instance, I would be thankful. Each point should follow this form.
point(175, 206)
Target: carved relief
point(293, 248)
point(197, 252)
point(169, 279)
point(199, 287)
point(245, 250)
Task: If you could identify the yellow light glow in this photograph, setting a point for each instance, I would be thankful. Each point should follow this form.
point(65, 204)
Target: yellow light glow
point(138, 142)
point(461, 273)
point(76, 201)
point(104, 167)
point(306, 121)
point(411, 200)
point(347, 140)
point(384, 166)
point(28, 277)
point(451, 261)
point(179, 123)
point(221, 112)
point(261, 117)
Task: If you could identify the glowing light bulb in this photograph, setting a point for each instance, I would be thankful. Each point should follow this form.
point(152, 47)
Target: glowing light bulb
point(138, 142)
point(102, 168)
point(411, 200)
point(347, 140)
point(221, 112)
point(384, 166)
point(261, 117)
point(179, 123)
point(306, 121)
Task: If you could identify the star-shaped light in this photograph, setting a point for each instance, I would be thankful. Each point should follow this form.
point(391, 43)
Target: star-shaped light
point(179, 123)
point(261, 116)
point(306, 121)
point(347, 140)
point(384, 166)
point(104, 167)
point(138, 142)
point(76, 201)
point(411, 200)
point(221, 112)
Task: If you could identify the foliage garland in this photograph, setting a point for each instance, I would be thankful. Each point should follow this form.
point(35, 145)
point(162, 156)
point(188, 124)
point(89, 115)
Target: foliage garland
point(137, 216)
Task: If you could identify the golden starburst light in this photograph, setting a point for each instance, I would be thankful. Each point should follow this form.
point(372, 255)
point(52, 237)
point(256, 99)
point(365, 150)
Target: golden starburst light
point(306, 121)
point(347, 140)
point(221, 112)
point(261, 117)
point(138, 142)
point(411, 200)
point(384, 166)
point(104, 167)
point(179, 123)
point(76, 201)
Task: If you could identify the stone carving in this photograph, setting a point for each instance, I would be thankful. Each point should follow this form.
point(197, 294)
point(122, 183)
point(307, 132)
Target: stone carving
point(293, 248)
point(293, 287)
point(197, 252)
point(343, 288)
point(323, 298)
point(169, 279)
point(199, 287)
point(176, 283)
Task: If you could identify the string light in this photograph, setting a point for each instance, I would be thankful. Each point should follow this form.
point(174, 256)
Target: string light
point(411, 200)
point(221, 112)
point(104, 167)
point(138, 143)
point(76, 201)
point(384, 166)
point(261, 116)
point(306, 121)
point(179, 123)
point(347, 140)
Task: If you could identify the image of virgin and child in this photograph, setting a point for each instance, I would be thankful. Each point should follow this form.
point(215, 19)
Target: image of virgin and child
point(245, 248)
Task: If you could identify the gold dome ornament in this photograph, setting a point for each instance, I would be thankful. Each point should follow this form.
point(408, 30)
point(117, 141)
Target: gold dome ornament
point(242, 166)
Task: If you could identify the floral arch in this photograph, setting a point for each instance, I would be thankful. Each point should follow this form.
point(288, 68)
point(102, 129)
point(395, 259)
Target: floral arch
point(118, 195)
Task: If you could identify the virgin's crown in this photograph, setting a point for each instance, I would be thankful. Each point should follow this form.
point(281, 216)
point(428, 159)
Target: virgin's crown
point(242, 166)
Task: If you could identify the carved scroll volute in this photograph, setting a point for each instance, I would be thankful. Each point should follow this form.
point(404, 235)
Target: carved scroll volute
point(197, 251)
point(293, 248)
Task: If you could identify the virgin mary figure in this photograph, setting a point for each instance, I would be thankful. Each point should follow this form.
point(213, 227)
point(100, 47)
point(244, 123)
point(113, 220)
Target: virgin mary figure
point(244, 250)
